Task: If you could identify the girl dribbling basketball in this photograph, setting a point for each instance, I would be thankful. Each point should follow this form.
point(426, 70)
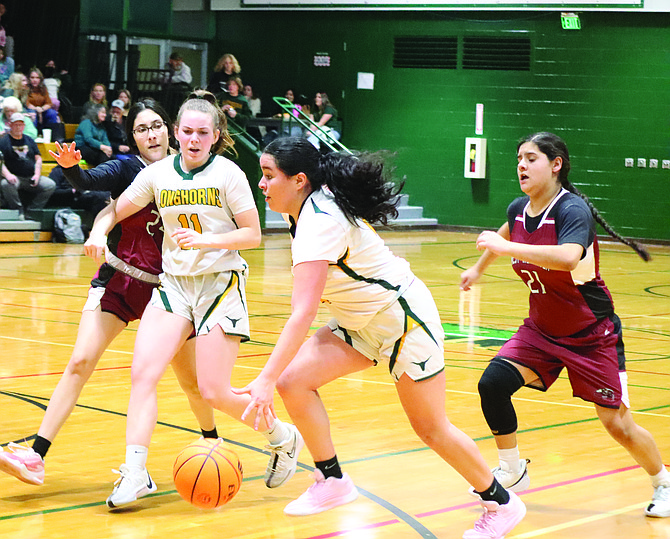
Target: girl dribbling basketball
point(209, 214)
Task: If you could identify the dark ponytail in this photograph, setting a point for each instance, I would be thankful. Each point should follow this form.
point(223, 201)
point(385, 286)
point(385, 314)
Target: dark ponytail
point(553, 146)
point(361, 184)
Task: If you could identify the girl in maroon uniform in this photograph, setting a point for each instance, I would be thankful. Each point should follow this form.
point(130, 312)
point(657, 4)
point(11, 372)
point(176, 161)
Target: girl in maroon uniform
point(550, 236)
point(119, 292)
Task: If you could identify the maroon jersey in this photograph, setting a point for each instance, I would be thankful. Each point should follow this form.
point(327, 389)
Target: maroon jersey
point(139, 243)
point(562, 303)
point(137, 240)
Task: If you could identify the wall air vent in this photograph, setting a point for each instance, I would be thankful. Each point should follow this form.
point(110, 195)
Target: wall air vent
point(496, 53)
point(425, 52)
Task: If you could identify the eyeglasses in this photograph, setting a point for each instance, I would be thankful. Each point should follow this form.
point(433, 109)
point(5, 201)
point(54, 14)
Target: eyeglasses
point(143, 130)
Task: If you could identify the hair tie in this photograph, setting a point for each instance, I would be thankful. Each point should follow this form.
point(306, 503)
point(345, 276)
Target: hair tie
point(202, 94)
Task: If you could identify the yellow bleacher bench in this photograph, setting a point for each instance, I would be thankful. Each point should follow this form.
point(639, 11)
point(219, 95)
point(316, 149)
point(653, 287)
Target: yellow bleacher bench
point(70, 130)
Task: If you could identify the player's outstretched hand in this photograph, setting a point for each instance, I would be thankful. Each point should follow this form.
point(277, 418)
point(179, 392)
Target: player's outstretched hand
point(67, 156)
point(469, 277)
point(262, 401)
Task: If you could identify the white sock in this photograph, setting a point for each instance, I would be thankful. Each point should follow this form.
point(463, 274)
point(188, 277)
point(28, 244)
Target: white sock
point(511, 458)
point(136, 455)
point(277, 433)
point(661, 478)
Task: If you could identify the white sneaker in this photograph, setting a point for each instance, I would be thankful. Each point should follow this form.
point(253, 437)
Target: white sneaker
point(132, 484)
point(324, 494)
point(283, 458)
point(514, 481)
point(497, 520)
point(23, 463)
point(660, 503)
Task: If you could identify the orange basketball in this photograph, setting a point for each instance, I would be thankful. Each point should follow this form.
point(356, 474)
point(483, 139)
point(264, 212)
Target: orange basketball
point(207, 474)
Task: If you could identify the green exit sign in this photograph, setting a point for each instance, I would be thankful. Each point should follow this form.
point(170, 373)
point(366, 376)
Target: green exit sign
point(570, 21)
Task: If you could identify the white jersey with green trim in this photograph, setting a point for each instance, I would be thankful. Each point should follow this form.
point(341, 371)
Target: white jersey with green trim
point(364, 276)
point(205, 199)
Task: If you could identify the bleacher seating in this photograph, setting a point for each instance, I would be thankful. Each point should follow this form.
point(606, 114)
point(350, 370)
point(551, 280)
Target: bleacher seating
point(38, 224)
point(70, 130)
point(48, 161)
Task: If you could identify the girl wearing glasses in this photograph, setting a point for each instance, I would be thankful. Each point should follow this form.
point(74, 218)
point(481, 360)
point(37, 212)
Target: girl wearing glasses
point(119, 291)
point(209, 214)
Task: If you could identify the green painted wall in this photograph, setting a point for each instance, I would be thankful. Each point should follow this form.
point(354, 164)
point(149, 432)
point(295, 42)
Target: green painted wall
point(604, 89)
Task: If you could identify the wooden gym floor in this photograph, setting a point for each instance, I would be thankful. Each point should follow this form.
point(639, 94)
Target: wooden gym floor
point(583, 485)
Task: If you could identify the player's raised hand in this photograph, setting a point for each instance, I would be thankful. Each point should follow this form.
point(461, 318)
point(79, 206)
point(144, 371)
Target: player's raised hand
point(67, 156)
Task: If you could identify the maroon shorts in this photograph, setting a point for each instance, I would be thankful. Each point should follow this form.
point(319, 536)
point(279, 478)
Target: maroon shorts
point(593, 358)
point(126, 297)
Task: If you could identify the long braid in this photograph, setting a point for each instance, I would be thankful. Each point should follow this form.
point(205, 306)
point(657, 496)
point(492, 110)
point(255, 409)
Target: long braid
point(553, 146)
point(639, 249)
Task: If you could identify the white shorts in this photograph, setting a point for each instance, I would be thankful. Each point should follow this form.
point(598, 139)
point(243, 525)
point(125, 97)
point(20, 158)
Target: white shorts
point(207, 300)
point(95, 294)
point(625, 399)
point(408, 335)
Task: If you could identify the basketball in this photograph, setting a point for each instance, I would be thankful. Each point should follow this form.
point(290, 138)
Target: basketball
point(207, 474)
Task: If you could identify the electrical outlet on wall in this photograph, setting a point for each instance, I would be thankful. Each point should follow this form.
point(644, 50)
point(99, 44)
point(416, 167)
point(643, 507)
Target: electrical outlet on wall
point(630, 162)
point(641, 162)
point(666, 163)
point(653, 163)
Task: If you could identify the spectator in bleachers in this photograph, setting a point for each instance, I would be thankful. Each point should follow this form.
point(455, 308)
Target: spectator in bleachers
point(125, 96)
point(16, 85)
point(63, 78)
point(226, 68)
point(3, 32)
point(115, 125)
point(180, 73)
point(52, 84)
point(255, 106)
point(253, 100)
point(10, 106)
point(22, 168)
point(39, 102)
point(290, 128)
point(234, 104)
point(91, 136)
point(325, 115)
point(98, 96)
point(6, 66)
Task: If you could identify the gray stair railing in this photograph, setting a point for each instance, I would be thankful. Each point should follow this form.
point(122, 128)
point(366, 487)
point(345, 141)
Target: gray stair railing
point(296, 114)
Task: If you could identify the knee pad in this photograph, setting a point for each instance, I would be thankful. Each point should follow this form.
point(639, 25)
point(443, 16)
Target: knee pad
point(497, 384)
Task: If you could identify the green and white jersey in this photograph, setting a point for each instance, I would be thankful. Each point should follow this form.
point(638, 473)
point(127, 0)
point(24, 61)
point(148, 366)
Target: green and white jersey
point(205, 199)
point(364, 276)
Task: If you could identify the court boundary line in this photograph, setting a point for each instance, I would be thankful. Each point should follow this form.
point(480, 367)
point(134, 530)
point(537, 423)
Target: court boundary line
point(32, 399)
point(525, 535)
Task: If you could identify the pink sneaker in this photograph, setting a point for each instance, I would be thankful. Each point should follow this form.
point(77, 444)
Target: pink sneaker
point(23, 463)
point(497, 520)
point(324, 494)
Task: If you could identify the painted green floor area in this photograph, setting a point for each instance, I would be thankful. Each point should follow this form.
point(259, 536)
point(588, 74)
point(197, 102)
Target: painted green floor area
point(482, 336)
